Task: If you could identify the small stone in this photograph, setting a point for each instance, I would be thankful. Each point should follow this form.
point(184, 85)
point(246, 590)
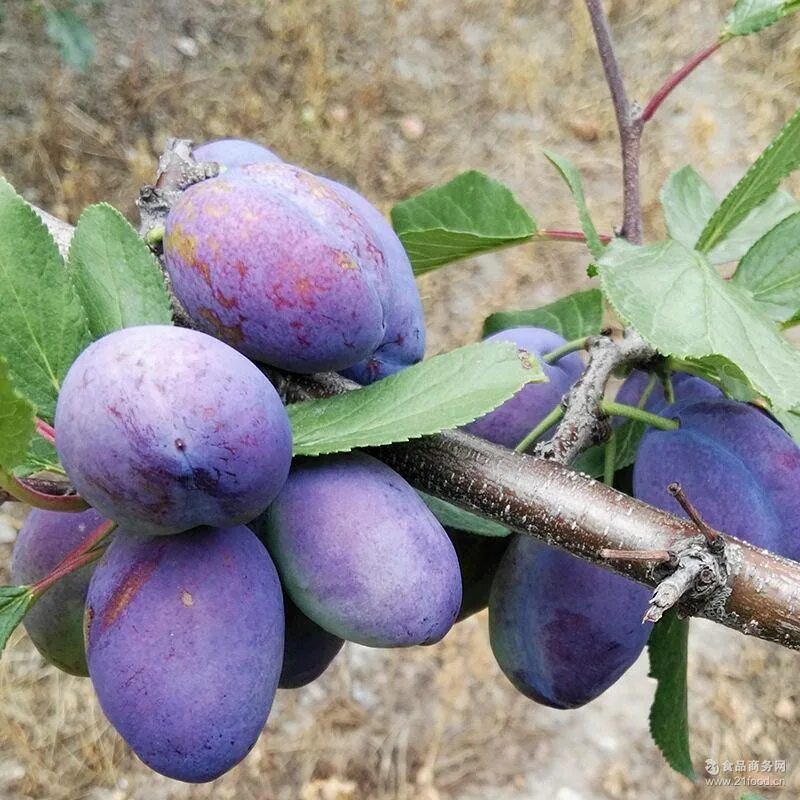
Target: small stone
point(187, 46)
point(412, 127)
point(339, 114)
point(785, 709)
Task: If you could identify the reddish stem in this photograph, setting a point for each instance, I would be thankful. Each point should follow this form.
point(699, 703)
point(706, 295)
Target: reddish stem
point(46, 431)
point(673, 80)
point(570, 236)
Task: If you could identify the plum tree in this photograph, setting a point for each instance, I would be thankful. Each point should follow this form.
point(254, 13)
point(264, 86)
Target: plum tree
point(361, 554)
point(163, 429)
point(517, 417)
point(55, 623)
point(308, 649)
point(478, 559)
point(563, 630)
point(184, 639)
point(235, 153)
point(740, 469)
point(270, 259)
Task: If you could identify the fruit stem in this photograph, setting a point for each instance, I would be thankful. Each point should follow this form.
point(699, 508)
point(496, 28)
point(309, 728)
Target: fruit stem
point(609, 459)
point(46, 431)
point(564, 349)
point(568, 236)
point(49, 502)
point(551, 419)
point(648, 390)
point(638, 414)
point(713, 539)
point(89, 550)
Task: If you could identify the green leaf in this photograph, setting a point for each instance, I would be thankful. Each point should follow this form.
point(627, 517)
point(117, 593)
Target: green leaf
point(751, 16)
point(443, 392)
point(116, 276)
point(471, 214)
point(780, 158)
point(770, 270)
point(790, 420)
point(683, 308)
point(725, 374)
point(42, 324)
point(669, 714)
point(69, 32)
point(41, 457)
point(629, 434)
point(454, 517)
point(17, 421)
point(573, 317)
point(14, 603)
point(570, 174)
point(688, 203)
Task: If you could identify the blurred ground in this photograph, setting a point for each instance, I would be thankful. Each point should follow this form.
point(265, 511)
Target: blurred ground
point(392, 96)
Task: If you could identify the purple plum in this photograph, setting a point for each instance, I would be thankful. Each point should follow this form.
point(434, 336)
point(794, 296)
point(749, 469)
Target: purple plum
point(361, 554)
point(739, 469)
point(517, 417)
point(235, 153)
point(163, 429)
point(272, 260)
point(55, 623)
point(684, 387)
point(561, 629)
point(184, 639)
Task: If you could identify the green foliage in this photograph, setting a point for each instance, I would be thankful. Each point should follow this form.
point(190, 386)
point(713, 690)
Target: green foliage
point(116, 276)
point(770, 271)
point(41, 457)
point(17, 421)
point(669, 714)
point(781, 157)
point(454, 517)
point(43, 326)
point(569, 172)
point(751, 16)
point(471, 214)
point(66, 29)
point(14, 603)
point(682, 307)
point(444, 392)
point(573, 317)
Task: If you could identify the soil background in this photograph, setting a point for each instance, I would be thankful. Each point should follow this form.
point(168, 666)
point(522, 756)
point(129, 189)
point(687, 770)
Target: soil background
point(392, 96)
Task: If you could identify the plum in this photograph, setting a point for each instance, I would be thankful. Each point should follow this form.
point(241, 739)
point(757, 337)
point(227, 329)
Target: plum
point(561, 629)
point(234, 153)
point(272, 260)
point(361, 554)
point(740, 470)
point(684, 387)
point(517, 417)
point(478, 559)
point(55, 623)
point(163, 429)
point(184, 639)
point(404, 341)
point(308, 650)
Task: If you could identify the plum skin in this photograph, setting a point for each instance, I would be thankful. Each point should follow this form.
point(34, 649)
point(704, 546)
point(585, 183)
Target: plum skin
point(509, 424)
point(163, 429)
point(184, 640)
point(361, 554)
point(55, 623)
point(739, 469)
point(272, 260)
point(561, 629)
point(233, 153)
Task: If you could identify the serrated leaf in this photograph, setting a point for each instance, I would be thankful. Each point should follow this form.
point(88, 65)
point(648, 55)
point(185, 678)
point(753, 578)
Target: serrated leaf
point(569, 172)
point(669, 714)
point(443, 392)
point(469, 215)
point(14, 603)
point(42, 325)
point(592, 460)
point(682, 307)
point(725, 374)
point(454, 517)
point(41, 457)
point(688, 202)
point(17, 421)
point(770, 270)
point(780, 158)
point(751, 16)
point(573, 317)
point(116, 276)
point(69, 32)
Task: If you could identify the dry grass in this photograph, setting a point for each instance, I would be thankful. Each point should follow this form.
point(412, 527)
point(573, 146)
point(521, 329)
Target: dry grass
point(391, 96)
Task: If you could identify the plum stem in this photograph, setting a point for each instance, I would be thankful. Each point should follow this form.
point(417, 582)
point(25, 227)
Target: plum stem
point(713, 539)
point(19, 490)
point(46, 431)
point(565, 349)
point(639, 414)
point(609, 459)
point(568, 236)
point(545, 424)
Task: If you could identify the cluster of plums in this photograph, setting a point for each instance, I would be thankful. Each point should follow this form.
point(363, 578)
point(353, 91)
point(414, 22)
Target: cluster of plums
point(235, 571)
